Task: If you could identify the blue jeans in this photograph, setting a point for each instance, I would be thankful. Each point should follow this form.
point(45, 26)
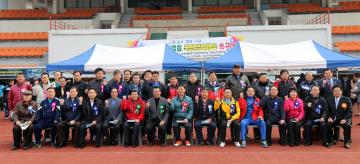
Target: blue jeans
point(249, 121)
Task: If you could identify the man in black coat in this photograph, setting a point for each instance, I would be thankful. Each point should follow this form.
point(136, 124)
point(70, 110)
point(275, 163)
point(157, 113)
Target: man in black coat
point(340, 114)
point(93, 109)
point(316, 112)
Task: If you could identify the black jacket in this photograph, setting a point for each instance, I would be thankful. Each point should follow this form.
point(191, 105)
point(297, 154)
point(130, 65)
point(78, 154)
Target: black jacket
point(342, 111)
point(99, 88)
point(315, 108)
point(273, 108)
point(81, 86)
point(202, 110)
point(58, 92)
point(71, 110)
point(147, 89)
point(193, 90)
point(305, 88)
point(95, 112)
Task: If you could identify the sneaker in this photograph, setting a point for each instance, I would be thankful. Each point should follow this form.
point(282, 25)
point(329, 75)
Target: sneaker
point(237, 144)
point(222, 144)
point(169, 137)
point(264, 144)
point(37, 145)
point(187, 143)
point(177, 144)
point(243, 144)
point(6, 118)
point(347, 146)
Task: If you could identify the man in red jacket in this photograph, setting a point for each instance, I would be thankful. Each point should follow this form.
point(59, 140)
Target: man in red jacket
point(15, 93)
point(134, 112)
point(252, 115)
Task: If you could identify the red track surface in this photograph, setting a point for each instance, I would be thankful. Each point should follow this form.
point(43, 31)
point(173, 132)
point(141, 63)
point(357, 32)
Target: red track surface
point(253, 154)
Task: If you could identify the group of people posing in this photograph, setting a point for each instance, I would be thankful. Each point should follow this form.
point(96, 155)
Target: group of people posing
point(136, 105)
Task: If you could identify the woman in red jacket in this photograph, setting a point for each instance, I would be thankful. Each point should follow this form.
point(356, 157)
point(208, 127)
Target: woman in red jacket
point(294, 109)
point(252, 114)
point(134, 111)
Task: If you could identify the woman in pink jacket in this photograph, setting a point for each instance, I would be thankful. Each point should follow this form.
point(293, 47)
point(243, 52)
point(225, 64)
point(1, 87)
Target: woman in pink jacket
point(294, 109)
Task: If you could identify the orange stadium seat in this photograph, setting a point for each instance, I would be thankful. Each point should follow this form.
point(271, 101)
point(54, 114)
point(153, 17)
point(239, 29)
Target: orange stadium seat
point(221, 9)
point(348, 46)
point(22, 51)
point(346, 29)
point(11, 36)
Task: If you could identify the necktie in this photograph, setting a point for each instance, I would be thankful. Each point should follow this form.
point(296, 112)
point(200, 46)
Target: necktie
point(336, 102)
point(62, 91)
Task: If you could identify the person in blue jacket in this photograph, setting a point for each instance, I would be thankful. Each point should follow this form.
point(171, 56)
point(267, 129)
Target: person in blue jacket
point(48, 116)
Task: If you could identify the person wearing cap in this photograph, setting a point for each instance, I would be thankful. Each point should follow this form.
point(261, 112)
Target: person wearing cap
point(62, 91)
point(92, 111)
point(71, 108)
point(24, 117)
point(158, 112)
point(183, 109)
point(340, 114)
point(237, 82)
point(251, 114)
point(284, 84)
point(48, 116)
point(316, 113)
point(204, 115)
point(116, 82)
point(113, 118)
point(273, 107)
point(294, 109)
point(99, 84)
point(14, 95)
point(133, 108)
point(229, 117)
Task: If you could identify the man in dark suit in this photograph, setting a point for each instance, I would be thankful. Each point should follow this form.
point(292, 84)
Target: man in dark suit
point(158, 112)
point(62, 91)
point(340, 113)
point(327, 83)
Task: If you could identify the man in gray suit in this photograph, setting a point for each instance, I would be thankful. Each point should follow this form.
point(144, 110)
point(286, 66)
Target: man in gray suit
point(158, 112)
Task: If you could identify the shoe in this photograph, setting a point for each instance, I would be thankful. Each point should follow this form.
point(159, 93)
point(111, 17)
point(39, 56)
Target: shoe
point(307, 144)
point(243, 144)
point(187, 143)
point(26, 148)
point(347, 146)
point(269, 143)
point(169, 137)
point(97, 146)
point(162, 145)
point(177, 144)
point(37, 145)
point(6, 118)
point(222, 144)
point(126, 144)
point(150, 143)
point(199, 143)
point(264, 144)
point(14, 147)
point(237, 144)
point(327, 145)
point(53, 144)
point(60, 146)
point(210, 143)
point(333, 142)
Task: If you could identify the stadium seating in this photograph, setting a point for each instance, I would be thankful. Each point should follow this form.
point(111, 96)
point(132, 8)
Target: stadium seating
point(25, 36)
point(346, 29)
point(221, 9)
point(157, 17)
point(43, 14)
point(22, 51)
point(348, 46)
point(316, 8)
point(163, 10)
point(223, 16)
